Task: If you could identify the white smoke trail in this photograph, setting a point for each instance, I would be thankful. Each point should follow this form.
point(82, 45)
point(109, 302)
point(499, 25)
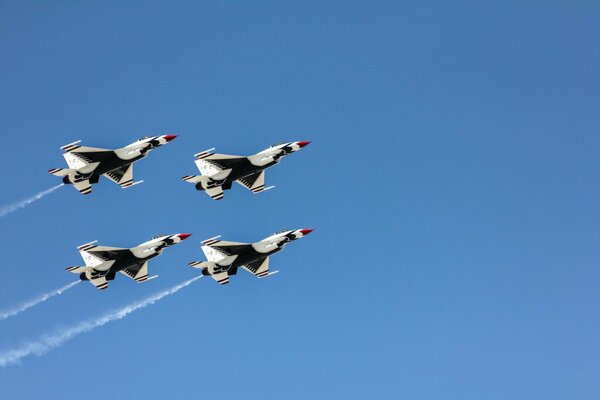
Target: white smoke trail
point(5, 210)
point(48, 342)
point(11, 312)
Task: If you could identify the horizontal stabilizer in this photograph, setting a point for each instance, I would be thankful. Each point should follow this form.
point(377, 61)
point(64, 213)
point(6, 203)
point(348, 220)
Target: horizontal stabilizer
point(78, 270)
point(201, 264)
point(194, 178)
point(60, 171)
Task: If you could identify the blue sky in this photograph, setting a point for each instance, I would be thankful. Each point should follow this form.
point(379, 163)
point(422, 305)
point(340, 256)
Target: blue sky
point(452, 182)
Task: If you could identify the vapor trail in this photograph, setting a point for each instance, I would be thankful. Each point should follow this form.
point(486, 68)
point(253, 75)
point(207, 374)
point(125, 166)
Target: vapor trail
point(5, 210)
point(48, 342)
point(35, 301)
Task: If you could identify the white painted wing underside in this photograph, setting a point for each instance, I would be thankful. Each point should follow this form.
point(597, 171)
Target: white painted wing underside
point(214, 254)
point(92, 259)
point(76, 162)
point(206, 167)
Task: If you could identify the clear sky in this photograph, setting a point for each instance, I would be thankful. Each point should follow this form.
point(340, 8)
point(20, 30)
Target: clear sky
point(452, 182)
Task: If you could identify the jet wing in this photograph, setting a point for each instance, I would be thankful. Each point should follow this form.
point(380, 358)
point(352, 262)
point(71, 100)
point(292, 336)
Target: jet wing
point(216, 250)
point(139, 273)
point(254, 182)
point(260, 268)
point(95, 255)
point(79, 156)
point(122, 176)
point(211, 163)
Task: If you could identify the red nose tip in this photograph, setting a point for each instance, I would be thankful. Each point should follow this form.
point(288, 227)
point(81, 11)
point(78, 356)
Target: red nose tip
point(302, 144)
point(168, 138)
point(184, 236)
point(306, 231)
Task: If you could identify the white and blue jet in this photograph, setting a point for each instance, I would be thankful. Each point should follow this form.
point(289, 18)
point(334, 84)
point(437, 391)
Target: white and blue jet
point(219, 171)
point(102, 262)
point(87, 164)
point(224, 258)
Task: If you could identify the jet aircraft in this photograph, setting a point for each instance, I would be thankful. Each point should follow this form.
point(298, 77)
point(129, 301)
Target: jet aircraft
point(87, 164)
point(224, 258)
point(102, 263)
point(219, 171)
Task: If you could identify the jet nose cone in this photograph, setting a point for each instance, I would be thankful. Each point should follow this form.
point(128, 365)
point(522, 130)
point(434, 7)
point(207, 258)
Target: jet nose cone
point(168, 138)
point(306, 231)
point(184, 236)
point(302, 144)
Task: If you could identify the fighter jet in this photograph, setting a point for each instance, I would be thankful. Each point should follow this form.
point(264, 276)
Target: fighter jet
point(219, 171)
point(224, 258)
point(86, 164)
point(102, 263)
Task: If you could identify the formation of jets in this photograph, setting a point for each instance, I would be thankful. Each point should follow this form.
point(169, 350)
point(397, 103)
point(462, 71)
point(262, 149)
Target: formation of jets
point(217, 173)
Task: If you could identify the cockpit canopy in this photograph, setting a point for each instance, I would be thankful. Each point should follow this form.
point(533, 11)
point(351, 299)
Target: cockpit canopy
point(283, 231)
point(277, 144)
point(144, 138)
point(158, 236)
